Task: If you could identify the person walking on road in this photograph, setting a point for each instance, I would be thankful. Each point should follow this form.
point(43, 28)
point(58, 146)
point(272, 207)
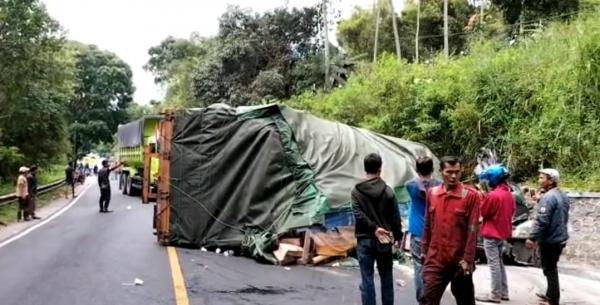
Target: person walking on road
point(497, 210)
point(550, 231)
point(32, 186)
point(450, 237)
point(69, 181)
point(417, 190)
point(22, 193)
point(378, 224)
point(104, 183)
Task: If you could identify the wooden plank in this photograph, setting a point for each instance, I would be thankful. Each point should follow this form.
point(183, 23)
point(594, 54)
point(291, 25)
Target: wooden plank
point(306, 255)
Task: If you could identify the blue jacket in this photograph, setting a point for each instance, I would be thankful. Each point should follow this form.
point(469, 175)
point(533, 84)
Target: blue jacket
point(417, 189)
point(550, 227)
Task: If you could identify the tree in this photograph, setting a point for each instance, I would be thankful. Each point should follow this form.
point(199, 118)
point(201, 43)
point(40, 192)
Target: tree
point(137, 111)
point(103, 92)
point(254, 57)
point(174, 62)
point(531, 10)
point(36, 81)
point(356, 34)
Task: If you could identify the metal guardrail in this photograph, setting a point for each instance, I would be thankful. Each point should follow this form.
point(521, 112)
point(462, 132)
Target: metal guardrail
point(10, 198)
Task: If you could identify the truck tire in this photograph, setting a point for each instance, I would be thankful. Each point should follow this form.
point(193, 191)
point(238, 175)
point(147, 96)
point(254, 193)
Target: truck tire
point(132, 191)
point(120, 181)
point(125, 184)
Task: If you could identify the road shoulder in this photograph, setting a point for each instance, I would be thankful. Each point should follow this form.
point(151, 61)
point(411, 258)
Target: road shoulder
point(47, 211)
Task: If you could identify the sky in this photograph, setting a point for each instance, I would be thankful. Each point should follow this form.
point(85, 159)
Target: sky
point(129, 28)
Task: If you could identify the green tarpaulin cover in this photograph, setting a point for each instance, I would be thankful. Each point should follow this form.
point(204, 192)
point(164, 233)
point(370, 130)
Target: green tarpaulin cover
point(242, 176)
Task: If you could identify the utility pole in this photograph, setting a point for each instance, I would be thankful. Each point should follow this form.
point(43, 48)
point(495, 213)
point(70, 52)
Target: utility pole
point(521, 18)
point(326, 42)
point(395, 27)
point(417, 31)
point(377, 19)
point(481, 8)
point(446, 48)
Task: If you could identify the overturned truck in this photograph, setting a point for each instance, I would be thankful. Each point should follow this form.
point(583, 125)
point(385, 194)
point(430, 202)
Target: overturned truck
point(243, 178)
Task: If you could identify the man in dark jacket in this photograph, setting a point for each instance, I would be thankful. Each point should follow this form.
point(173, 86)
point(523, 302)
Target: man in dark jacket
point(70, 181)
point(32, 184)
point(550, 231)
point(104, 184)
point(377, 226)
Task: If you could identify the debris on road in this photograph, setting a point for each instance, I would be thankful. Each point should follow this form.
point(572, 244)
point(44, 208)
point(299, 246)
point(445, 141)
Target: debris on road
point(287, 253)
point(349, 262)
point(401, 283)
point(136, 282)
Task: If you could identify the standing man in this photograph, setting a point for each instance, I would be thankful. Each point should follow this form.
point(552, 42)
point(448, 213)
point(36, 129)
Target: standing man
point(417, 190)
point(22, 193)
point(32, 185)
point(69, 180)
point(497, 210)
point(377, 226)
point(450, 237)
point(550, 231)
point(104, 183)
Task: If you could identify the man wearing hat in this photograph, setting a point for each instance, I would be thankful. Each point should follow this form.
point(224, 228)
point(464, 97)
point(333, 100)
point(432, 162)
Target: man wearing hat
point(22, 193)
point(550, 232)
point(497, 210)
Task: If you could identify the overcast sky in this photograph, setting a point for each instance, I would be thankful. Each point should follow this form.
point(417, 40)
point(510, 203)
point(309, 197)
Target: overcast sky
point(129, 27)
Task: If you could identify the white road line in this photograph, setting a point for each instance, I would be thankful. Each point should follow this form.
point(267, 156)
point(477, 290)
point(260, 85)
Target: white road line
point(45, 221)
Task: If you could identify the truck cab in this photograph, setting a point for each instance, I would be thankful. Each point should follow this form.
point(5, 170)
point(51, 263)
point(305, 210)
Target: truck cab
point(134, 141)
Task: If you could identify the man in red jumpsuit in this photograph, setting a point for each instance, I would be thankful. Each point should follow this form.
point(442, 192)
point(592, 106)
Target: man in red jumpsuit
point(450, 237)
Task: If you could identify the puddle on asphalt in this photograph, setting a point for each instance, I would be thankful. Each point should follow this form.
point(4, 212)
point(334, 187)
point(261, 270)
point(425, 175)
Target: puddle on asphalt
point(266, 290)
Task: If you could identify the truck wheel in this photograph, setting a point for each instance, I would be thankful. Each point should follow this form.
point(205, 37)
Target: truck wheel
point(132, 191)
point(125, 185)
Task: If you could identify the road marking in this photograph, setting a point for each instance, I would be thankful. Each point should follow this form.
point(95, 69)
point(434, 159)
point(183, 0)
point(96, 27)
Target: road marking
point(181, 297)
point(45, 221)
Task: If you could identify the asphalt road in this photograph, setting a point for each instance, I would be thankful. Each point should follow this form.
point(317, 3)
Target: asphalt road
point(83, 257)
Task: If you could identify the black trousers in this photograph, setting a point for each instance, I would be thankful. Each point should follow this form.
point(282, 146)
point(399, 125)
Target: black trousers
point(104, 199)
point(23, 208)
point(550, 254)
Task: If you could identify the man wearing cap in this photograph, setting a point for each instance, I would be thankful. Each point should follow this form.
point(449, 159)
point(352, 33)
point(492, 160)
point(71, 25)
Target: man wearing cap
point(497, 210)
point(22, 193)
point(550, 232)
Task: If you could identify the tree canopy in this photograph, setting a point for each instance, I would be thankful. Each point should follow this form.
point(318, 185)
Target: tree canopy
point(103, 91)
point(50, 88)
point(357, 34)
point(254, 57)
point(36, 80)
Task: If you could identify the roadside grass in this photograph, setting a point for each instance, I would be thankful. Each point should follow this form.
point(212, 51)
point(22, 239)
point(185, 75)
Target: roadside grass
point(45, 176)
point(8, 213)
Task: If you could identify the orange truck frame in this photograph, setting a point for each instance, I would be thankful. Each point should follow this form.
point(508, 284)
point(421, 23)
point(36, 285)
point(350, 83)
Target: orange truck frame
point(162, 197)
